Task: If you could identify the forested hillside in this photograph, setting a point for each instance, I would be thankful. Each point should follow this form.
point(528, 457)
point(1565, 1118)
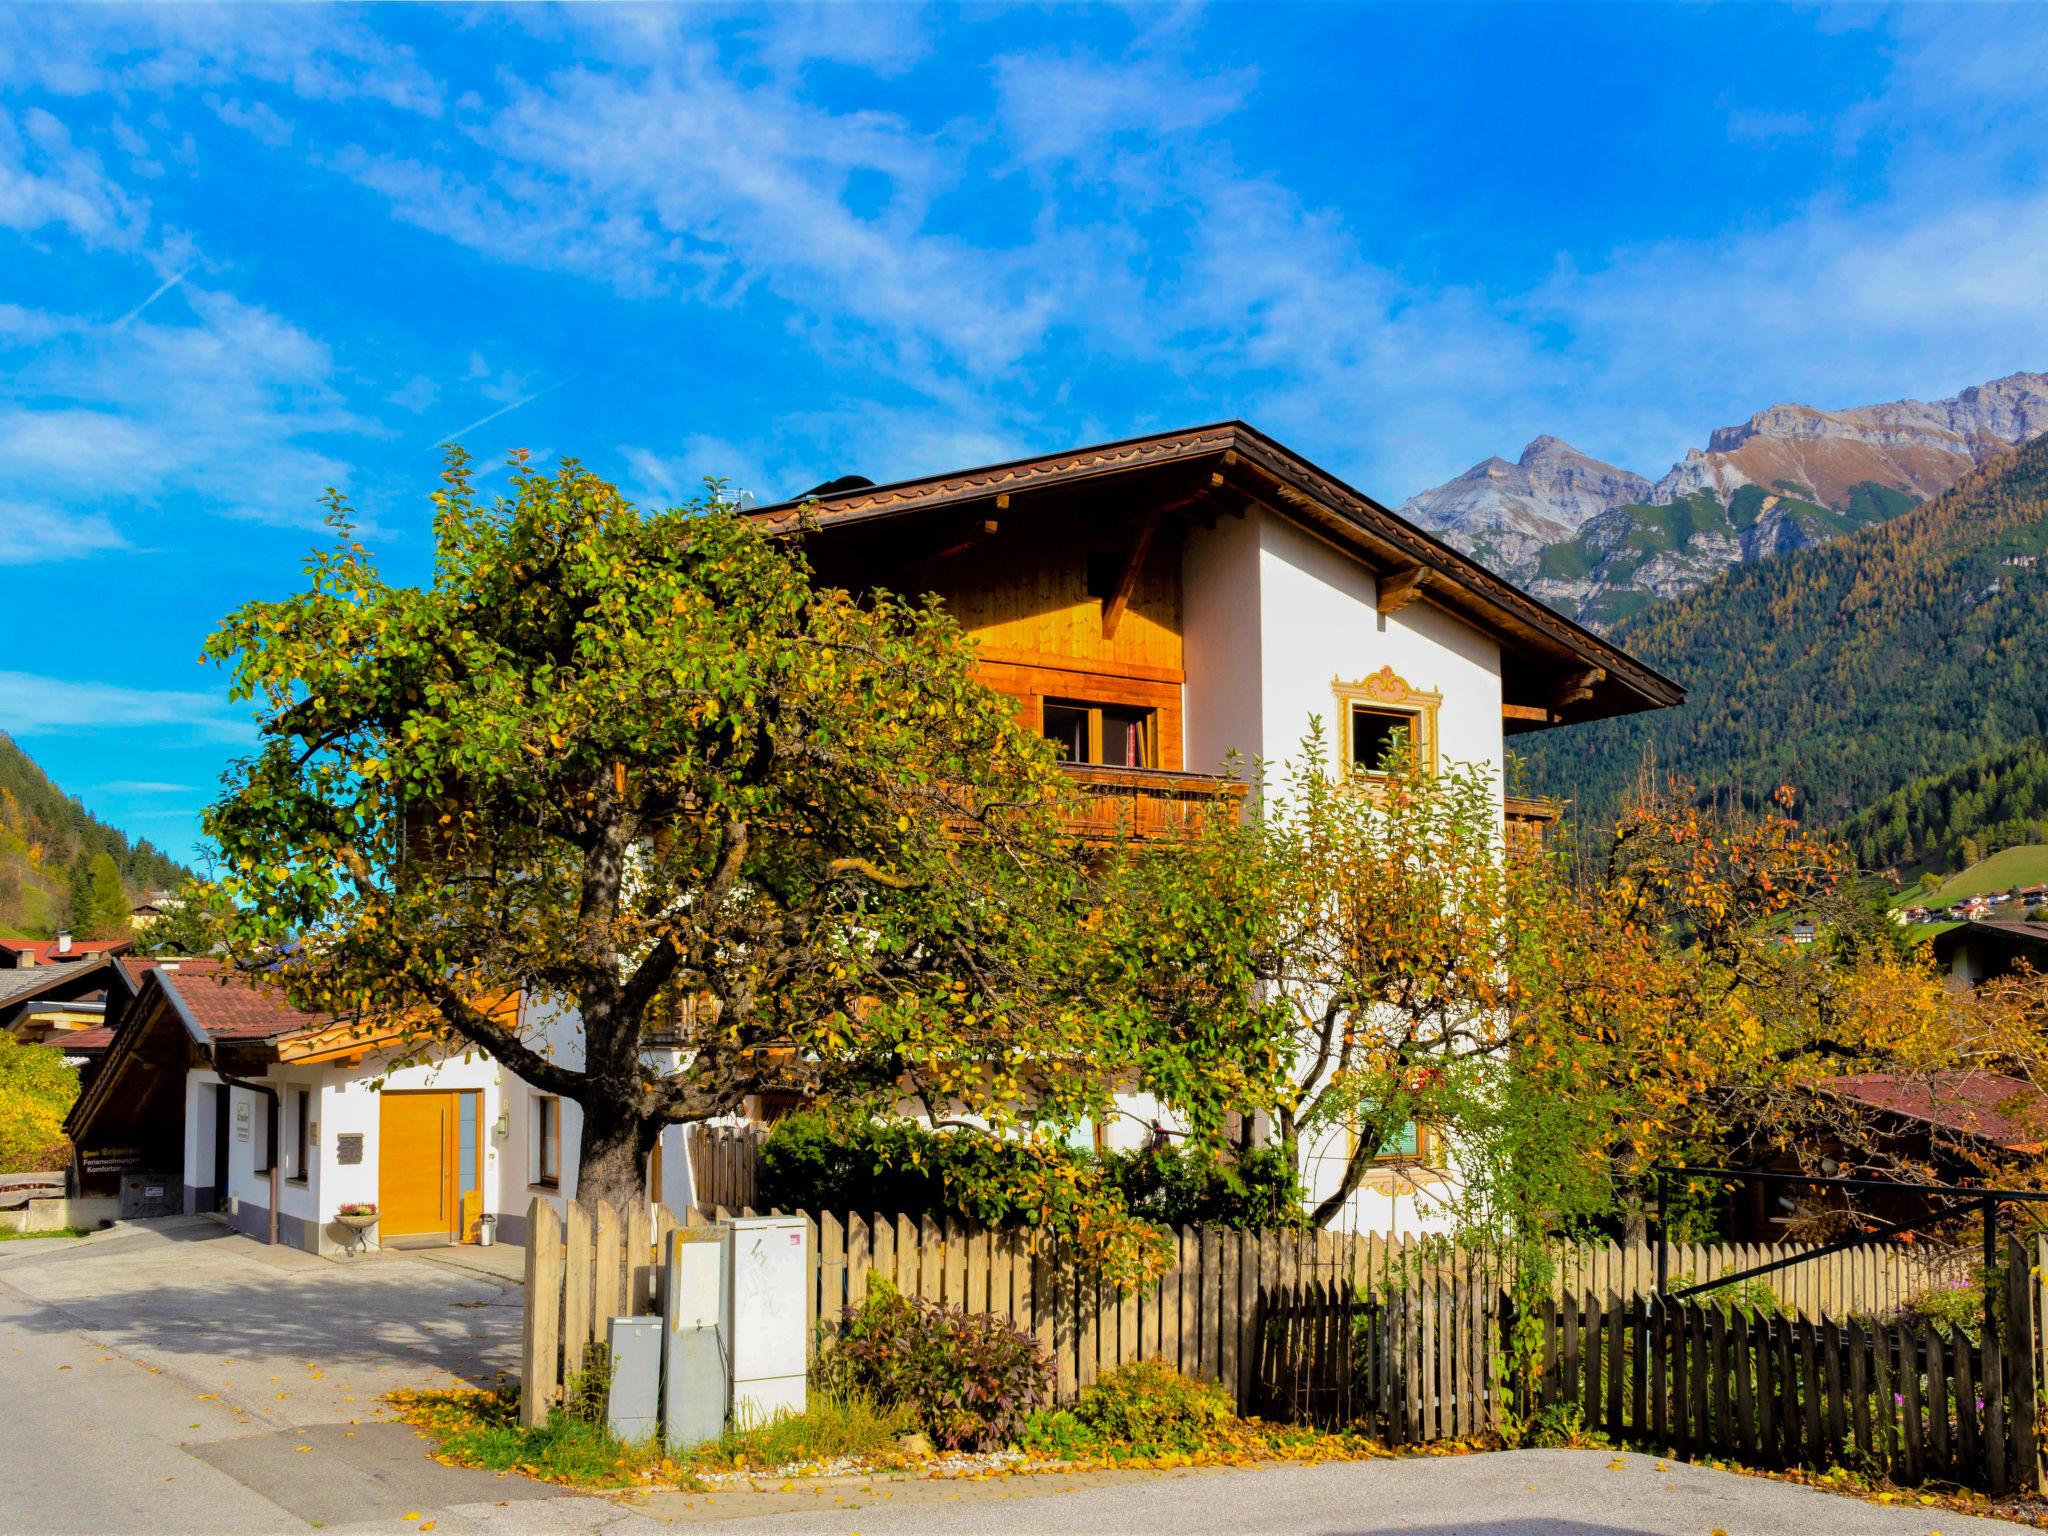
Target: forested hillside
point(1847, 671)
point(49, 843)
point(1951, 820)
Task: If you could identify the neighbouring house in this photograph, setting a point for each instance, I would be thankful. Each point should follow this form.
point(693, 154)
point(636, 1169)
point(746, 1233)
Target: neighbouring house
point(1164, 607)
point(1982, 948)
point(23, 954)
point(152, 906)
point(1952, 1124)
point(221, 1097)
point(72, 1008)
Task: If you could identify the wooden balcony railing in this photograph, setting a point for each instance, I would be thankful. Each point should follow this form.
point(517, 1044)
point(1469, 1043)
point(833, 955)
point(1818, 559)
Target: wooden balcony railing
point(1145, 802)
point(1529, 820)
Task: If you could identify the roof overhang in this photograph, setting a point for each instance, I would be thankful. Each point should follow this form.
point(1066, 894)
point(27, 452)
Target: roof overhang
point(1576, 674)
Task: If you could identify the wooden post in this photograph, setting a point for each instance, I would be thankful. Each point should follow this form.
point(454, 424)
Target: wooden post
point(1912, 1433)
point(1969, 1447)
point(540, 1377)
point(1229, 1315)
point(640, 1265)
point(2022, 1326)
point(1939, 1444)
point(576, 1310)
point(607, 1295)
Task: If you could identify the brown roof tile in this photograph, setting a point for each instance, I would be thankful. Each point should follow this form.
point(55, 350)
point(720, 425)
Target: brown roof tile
point(2009, 1112)
point(226, 1004)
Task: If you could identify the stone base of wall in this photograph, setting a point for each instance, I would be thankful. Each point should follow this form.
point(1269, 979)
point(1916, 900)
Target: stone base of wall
point(251, 1220)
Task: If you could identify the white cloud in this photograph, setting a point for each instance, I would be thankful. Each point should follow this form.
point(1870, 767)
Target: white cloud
point(228, 401)
point(46, 179)
point(1077, 107)
point(33, 706)
point(30, 533)
point(145, 787)
point(316, 53)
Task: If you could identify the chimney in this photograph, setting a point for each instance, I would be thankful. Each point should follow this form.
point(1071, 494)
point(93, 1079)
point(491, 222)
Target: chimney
point(25, 957)
point(63, 941)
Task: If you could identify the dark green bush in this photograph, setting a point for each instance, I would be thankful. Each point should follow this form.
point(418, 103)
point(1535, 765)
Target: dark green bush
point(813, 1162)
point(1182, 1187)
point(971, 1379)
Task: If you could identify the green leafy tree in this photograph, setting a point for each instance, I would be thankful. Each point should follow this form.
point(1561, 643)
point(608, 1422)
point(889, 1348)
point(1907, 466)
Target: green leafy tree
point(636, 765)
point(193, 920)
point(1376, 912)
point(98, 903)
point(37, 1090)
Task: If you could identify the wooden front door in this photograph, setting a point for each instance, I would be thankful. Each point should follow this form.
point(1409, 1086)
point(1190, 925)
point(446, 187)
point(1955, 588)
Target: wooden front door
point(426, 1163)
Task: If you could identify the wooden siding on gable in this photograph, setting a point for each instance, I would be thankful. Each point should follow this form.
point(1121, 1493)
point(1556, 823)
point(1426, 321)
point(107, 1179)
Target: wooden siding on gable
point(1024, 597)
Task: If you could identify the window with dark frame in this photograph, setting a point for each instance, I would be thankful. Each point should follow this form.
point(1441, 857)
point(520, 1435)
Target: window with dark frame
point(262, 1135)
point(1109, 735)
point(547, 1141)
point(302, 1140)
point(1378, 733)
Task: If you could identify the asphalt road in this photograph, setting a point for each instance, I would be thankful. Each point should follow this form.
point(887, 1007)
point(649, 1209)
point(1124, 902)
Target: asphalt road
point(1503, 1493)
point(170, 1378)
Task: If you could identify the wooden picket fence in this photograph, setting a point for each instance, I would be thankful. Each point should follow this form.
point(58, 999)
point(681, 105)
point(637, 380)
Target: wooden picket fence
point(724, 1163)
point(1876, 1279)
point(1413, 1366)
point(1398, 1333)
point(1889, 1398)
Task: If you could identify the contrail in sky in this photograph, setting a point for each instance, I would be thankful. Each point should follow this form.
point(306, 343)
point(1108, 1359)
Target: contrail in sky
point(503, 410)
point(162, 288)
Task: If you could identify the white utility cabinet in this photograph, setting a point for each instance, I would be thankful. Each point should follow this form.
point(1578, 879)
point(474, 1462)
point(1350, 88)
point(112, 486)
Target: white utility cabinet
point(765, 1323)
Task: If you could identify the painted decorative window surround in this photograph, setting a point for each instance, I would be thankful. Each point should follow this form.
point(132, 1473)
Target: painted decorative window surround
point(1386, 693)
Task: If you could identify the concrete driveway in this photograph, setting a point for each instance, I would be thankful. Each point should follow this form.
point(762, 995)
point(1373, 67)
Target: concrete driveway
point(171, 1377)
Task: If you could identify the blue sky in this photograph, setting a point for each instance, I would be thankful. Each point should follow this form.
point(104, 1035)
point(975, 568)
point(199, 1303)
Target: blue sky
point(247, 253)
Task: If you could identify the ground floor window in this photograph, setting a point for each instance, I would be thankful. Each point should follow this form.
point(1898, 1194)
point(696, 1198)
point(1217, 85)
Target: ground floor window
point(547, 1141)
point(263, 1150)
point(301, 1164)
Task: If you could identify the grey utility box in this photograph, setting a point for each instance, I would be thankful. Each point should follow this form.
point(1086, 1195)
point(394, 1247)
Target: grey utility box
point(696, 1384)
point(632, 1409)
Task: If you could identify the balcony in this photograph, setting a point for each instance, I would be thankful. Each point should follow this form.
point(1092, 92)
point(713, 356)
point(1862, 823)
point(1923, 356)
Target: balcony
point(1529, 820)
point(1147, 803)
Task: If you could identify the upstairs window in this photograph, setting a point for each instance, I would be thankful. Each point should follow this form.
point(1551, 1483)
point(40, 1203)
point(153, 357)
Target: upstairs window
point(1378, 735)
point(1113, 735)
point(1384, 715)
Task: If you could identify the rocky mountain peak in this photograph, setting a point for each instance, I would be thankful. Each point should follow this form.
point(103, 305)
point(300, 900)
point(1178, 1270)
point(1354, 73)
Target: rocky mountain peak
point(1836, 469)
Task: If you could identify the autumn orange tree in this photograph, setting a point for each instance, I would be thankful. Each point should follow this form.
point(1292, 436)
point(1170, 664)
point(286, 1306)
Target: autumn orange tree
point(1692, 999)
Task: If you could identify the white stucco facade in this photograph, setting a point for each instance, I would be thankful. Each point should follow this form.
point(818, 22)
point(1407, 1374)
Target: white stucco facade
point(1275, 621)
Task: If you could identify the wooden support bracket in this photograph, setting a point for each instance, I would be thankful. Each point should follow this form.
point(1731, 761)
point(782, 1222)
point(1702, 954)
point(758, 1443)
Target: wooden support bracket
point(1399, 588)
point(1525, 712)
point(1578, 688)
point(1127, 581)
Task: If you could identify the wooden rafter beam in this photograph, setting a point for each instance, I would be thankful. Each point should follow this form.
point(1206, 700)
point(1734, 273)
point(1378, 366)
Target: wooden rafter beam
point(1397, 589)
point(1534, 712)
point(1127, 579)
point(1579, 686)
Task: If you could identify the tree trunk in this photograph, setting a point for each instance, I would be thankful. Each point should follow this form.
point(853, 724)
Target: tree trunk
point(612, 1161)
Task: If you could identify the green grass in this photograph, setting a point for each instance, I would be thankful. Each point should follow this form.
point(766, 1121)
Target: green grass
point(482, 1429)
point(828, 1429)
point(9, 1235)
point(2024, 865)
